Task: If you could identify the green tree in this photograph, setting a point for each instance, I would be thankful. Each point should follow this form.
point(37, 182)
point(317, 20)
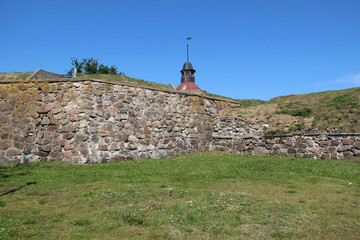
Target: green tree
point(113, 70)
point(103, 69)
point(76, 64)
point(91, 66)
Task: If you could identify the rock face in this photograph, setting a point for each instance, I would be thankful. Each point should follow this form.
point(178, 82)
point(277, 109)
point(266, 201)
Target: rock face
point(88, 121)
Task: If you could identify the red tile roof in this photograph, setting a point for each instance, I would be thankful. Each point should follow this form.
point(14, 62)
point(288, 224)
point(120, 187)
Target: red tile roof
point(187, 86)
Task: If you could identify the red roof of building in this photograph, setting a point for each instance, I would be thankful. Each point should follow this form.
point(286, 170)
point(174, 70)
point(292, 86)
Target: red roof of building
point(187, 86)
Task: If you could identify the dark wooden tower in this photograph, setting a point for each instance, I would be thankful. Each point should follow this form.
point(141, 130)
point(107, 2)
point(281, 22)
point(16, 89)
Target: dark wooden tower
point(188, 76)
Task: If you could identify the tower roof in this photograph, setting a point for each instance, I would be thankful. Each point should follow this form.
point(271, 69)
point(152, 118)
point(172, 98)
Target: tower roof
point(188, 86)
point(188, 66)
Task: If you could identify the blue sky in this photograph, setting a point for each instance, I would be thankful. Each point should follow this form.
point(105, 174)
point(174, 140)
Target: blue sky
point(244, 49)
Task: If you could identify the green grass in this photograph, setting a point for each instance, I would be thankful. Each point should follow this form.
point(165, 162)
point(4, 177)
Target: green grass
point(344, 101)
point(334, 109)
point(304, 112)
point(126, 79)
point(244, 102)
point(200, 196)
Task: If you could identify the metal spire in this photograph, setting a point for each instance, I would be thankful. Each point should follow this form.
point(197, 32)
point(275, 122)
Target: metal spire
point(187, 47)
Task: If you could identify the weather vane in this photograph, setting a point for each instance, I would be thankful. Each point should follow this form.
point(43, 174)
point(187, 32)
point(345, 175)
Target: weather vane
point(187, 46)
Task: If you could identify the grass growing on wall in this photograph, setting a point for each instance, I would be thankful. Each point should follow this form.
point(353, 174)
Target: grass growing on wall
point(200, 196)
point(15, 75)
point(126, 79)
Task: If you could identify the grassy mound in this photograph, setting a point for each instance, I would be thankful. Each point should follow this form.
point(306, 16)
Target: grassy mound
point(332, 109)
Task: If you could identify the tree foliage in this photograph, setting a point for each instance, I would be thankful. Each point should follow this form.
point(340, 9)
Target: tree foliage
point(91, 66)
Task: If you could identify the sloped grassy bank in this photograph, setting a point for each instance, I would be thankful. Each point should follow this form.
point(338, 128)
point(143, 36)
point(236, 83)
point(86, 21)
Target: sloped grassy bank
point(331, 111)
point(200, 196)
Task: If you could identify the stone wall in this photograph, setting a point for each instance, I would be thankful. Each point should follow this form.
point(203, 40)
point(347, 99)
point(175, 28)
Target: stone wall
point(85, 121)
point(95, 121)
point(324, 146)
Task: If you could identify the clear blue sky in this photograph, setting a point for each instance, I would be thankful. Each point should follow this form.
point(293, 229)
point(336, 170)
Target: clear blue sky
point(245, 49)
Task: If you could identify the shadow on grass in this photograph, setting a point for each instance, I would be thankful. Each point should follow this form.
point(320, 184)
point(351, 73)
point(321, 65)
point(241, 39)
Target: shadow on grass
point(16, 189)
point(7, 172)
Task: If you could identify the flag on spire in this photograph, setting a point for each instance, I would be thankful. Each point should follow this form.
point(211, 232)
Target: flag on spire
point(188, 38)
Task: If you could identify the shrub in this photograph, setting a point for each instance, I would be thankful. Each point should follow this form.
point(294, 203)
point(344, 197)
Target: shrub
point(304, 112)
point(300, 125)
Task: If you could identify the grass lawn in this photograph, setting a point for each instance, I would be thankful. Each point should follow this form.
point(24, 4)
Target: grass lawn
point(199, 196)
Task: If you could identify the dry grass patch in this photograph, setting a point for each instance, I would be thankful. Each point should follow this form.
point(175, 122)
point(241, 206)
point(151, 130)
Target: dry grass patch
point(15, 75)
point(126, 79)
point(332, 109)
